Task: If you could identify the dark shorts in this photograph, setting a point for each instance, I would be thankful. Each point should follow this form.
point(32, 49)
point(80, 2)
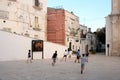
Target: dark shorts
point(78, 57)
point(65, 55)
point(82, 65)
point(54, 59)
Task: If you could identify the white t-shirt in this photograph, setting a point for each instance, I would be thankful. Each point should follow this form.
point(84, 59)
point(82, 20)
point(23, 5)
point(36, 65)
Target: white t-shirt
point(70, 52)
point(65, 53)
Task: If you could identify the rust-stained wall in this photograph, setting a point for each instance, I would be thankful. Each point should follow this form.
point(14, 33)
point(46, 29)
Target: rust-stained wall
point(63, 28)
point(56, 26)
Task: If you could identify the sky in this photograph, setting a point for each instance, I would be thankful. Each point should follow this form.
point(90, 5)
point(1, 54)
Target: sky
point(91, 13)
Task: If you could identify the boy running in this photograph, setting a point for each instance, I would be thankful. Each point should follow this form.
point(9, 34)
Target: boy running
point(54, 57)
point(83, 60)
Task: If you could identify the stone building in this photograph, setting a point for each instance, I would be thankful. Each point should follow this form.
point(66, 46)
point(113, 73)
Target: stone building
point(87, 39)
point(63, 28)
point(83, 44)
point(113, 30)
point(24, 17)
point(22, 21)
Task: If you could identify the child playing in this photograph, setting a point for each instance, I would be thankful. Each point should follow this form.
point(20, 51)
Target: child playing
point(29, 57)
point(70, 53)
point(83, 60)
point(78, 56)
point(65, 55)
point(54, 57)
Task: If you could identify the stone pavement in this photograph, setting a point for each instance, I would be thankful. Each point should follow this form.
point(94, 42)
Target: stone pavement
point(99, 67)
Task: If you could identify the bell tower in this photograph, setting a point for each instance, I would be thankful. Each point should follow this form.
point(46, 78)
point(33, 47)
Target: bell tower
point(115, 7)
point(113, 29)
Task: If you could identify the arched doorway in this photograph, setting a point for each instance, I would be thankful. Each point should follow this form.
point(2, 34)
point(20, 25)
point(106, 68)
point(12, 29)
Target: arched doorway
point(70, 44)
point(86, 48)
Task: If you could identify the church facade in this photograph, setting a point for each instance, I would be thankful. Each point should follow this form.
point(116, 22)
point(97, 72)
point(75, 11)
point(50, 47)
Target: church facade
point(113, 30)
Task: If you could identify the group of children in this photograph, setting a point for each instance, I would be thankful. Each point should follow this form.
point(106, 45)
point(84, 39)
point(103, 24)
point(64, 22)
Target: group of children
point(81, 59)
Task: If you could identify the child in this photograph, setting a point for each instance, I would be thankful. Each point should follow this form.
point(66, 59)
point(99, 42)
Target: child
point(54, 57)
point(83, 60)
point(65, 55)
point(87, 55)
point(70, 53)
point(78, 56)
point(29, 57)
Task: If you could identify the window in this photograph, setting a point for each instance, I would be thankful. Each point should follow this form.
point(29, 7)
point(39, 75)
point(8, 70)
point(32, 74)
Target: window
point(37, 26)
point(36, 19)
point(37, 3)
point(67, 39)
point(77, 40)
point(81, 33)
point(36, 22)
point(73, 46)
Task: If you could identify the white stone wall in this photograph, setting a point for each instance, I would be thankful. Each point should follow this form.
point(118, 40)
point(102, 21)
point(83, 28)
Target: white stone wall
point(84, 28)
point(19, 17)
point(72, 24)
point(82, 46)
point(86, 41)
point(115, 6)
point(113, 30)
point(15, 47)
point(83, 42)
point(108, 35)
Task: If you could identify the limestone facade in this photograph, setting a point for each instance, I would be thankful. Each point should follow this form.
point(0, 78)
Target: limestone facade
point(72, 30)
point(87, 39)
point(24, 17)
point(113, 30)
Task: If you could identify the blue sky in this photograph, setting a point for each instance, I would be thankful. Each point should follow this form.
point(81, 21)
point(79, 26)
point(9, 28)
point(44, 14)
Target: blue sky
point(91, 13)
